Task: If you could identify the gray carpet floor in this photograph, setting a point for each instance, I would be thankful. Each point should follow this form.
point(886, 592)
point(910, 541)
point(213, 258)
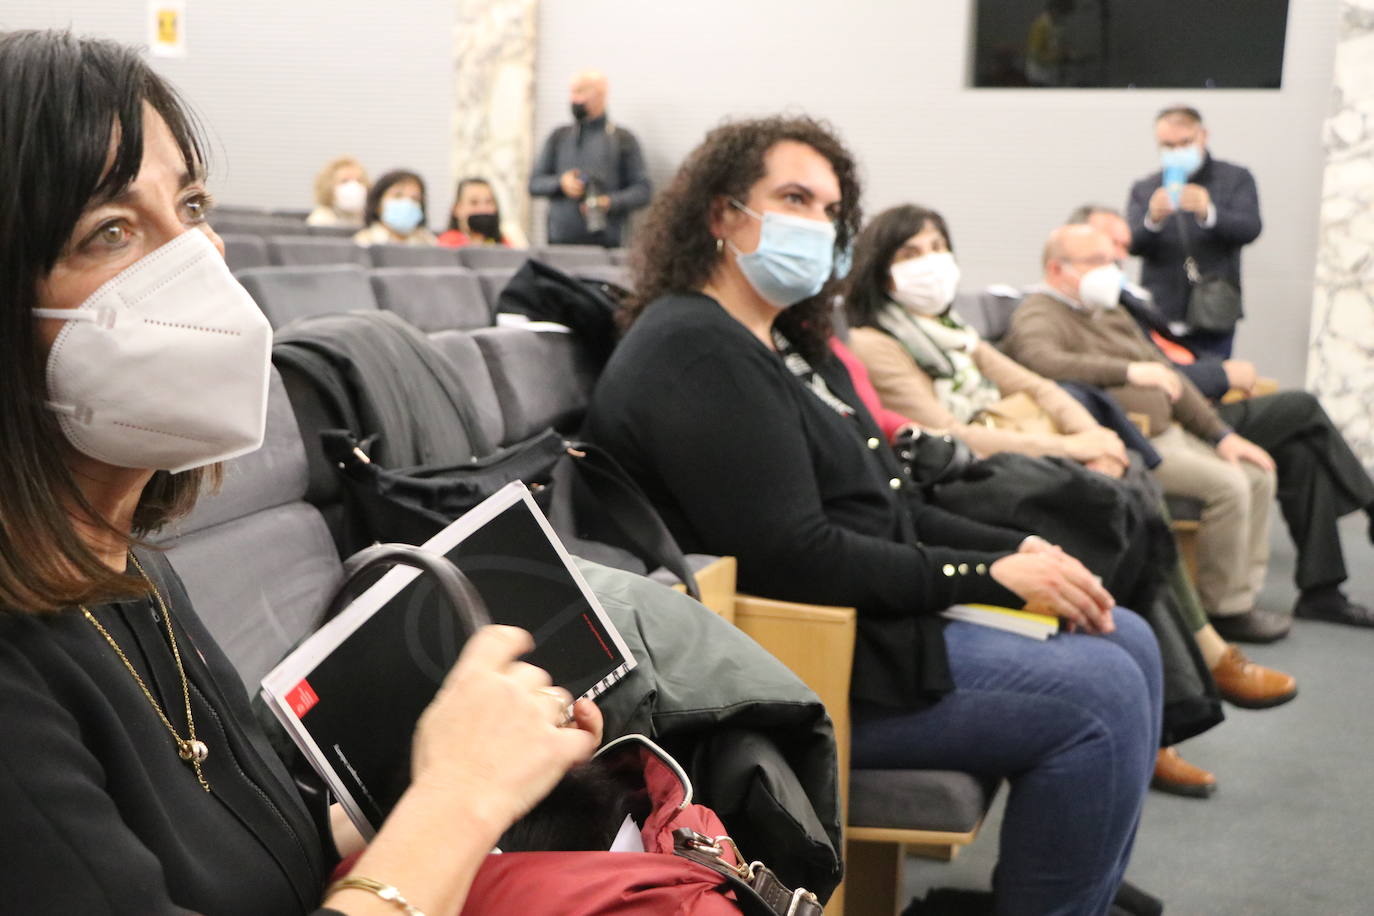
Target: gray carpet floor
point(1290, 829)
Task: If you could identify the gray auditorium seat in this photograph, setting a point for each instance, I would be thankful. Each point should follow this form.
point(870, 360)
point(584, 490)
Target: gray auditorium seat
point(413, 256)
point(433, 298)
point(988, 310)
point(542, 379)
point(242, 251)
point(287, 293)
point(493, 280)
point(940, 800)
point(568, 258)
point(309, 250)
point(333, 232)
point(255, 224)
point(484, 257)
point(257, 560)
point(461, 349)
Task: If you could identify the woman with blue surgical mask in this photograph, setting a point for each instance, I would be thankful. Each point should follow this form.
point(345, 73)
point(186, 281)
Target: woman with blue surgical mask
point(724, 402)
point(395, 212)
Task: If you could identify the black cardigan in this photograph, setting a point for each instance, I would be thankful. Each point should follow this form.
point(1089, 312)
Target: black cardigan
point(743, 460)
point(100, 815)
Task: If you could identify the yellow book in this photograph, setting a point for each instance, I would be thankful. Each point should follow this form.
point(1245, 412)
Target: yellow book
point(1023, 623)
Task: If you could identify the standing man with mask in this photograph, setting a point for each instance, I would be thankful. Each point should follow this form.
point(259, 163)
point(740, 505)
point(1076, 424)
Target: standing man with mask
point(1195, 207)
point(1070, 329)
point(591, 170)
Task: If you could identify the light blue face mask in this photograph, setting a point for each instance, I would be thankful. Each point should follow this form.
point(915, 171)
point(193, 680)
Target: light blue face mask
point(402, 214)
point(1178, 165)
point(793, 260)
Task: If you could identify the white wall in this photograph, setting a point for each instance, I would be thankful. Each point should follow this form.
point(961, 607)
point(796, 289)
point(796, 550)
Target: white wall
point(1004, 166)
point(285, 85)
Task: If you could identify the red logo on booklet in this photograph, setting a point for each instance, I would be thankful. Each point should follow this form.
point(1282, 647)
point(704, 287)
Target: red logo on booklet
point(302, 699)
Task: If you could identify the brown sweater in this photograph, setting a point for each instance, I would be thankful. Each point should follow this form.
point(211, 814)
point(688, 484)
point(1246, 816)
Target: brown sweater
point(1095, 346)
point(905, 389)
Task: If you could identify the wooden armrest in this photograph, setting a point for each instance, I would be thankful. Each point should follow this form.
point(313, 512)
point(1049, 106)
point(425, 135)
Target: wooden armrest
point(716, 580)
point(1262, 387)
point(1141, 421)
point(817, 643)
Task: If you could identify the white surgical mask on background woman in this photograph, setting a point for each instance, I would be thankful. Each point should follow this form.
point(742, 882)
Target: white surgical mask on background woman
point(925, 285)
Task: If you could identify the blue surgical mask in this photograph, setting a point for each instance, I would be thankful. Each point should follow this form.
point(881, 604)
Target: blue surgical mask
point(793, 260)
point(1182, 159)
point(402, 214)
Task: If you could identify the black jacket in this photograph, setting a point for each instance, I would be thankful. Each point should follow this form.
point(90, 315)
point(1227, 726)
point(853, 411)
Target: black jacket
point(101, 815)
point(611, 163)
point(742, 460)
point(1216, 250)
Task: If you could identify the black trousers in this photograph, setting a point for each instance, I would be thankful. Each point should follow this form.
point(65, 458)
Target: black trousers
point(1320, 479)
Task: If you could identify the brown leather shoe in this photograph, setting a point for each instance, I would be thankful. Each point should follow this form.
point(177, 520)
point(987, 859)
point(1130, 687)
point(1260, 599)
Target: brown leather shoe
point(1177, 776)
point(1243, 683)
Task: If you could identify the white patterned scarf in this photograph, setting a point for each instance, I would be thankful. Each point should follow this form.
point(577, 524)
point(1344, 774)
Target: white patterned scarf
point(943, 349)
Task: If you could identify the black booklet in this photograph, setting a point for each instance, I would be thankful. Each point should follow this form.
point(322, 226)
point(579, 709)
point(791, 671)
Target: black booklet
point(350, 695)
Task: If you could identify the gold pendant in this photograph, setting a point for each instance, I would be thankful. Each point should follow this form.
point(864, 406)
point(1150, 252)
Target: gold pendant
point(192, 751)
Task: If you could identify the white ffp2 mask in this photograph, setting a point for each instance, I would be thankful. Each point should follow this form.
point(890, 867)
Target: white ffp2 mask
point(1101, 287)
point(165, 366)
point(926, 285)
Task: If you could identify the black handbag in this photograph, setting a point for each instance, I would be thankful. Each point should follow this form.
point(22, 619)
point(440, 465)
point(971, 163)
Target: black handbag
point(931, 459)
point(593, 504)
point(1213, 300)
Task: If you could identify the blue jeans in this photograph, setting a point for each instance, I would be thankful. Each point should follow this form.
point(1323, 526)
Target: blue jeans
point(1072, 723)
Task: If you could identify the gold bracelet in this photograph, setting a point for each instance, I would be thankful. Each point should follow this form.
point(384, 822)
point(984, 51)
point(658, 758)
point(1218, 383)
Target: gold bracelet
point(385, 891)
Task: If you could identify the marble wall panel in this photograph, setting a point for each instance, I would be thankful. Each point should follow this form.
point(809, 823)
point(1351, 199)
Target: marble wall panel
point(494, 59)
point(1340, 367)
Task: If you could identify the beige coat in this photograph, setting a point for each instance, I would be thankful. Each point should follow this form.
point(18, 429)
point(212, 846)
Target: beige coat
point(904, 388)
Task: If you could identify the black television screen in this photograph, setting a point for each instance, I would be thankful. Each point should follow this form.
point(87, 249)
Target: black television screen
point(1160, 44)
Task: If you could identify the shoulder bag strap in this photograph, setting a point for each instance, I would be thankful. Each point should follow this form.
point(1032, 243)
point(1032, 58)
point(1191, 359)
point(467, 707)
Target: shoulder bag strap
point(630, 510)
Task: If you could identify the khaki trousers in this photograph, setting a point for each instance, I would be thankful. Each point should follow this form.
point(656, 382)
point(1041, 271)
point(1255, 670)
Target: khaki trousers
point(1233, 534)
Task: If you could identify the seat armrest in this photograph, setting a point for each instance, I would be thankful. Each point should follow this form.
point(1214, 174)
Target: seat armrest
point(716, 580)
point(1262, 387)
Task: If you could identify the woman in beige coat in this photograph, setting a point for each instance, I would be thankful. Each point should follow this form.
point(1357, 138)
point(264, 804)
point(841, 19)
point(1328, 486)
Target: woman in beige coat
point(931, 367)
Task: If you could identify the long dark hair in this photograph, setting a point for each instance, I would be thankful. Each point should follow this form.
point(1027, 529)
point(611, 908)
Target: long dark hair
point(458, 195)
point(61, 98)
point(865, 289)
point(373, 212)
point(675, 250)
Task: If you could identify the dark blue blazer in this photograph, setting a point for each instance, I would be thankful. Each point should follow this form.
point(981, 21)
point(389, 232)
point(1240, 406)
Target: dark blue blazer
point(1216, 250)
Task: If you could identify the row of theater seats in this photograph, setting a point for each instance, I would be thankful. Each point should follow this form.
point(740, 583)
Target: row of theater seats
point(244, 250)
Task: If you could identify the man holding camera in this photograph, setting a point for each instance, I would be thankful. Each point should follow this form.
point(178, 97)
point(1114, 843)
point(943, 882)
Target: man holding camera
point(592, 171)
point(1189, 222)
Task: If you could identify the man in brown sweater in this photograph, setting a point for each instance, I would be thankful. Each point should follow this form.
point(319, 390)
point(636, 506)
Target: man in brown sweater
point(1071, 329)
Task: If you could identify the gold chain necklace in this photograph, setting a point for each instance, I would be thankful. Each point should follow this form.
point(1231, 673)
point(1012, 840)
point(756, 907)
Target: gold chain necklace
point(191, 749)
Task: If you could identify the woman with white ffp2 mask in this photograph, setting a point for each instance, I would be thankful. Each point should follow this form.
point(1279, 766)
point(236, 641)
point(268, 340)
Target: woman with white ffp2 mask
point(135, 771)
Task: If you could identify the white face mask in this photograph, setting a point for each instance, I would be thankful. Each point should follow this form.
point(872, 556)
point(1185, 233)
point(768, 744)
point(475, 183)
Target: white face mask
point(166, 366)
point(1101, 287)
point(926, 285)
point(350, 197)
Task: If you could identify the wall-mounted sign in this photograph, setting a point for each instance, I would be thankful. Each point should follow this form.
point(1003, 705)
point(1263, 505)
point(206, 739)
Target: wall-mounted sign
point(167, 28)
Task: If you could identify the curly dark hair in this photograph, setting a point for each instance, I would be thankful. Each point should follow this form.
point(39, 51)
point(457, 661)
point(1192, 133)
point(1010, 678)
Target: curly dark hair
point(865, 289)
point(675, 251)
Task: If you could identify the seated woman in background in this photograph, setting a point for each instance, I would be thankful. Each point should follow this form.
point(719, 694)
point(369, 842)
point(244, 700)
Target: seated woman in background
point(133, 775)
point(476, 218)
point(724, 403)
point(930, 366)
point(395, 212)
point(340, 194)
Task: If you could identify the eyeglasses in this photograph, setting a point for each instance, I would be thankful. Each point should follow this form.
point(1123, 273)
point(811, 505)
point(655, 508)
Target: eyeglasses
point(1094, 261)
